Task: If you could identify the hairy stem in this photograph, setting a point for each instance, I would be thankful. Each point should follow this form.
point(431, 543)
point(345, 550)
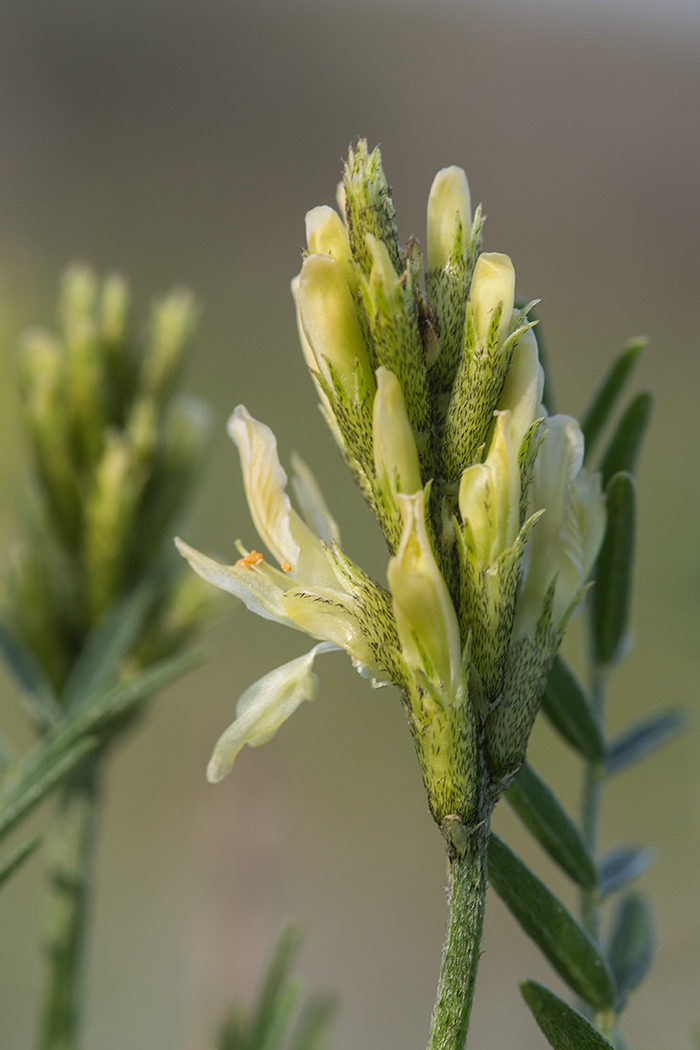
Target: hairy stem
point(70, 864)
point(460, 955)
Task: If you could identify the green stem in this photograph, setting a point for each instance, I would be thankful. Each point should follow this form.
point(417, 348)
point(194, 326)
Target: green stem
point(460, 956)
point(71, 849)
point(590, 818)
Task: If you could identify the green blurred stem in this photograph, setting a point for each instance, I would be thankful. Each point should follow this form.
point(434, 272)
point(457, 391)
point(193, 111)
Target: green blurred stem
point(71, 845)
point(460, 955)
point(594, 777)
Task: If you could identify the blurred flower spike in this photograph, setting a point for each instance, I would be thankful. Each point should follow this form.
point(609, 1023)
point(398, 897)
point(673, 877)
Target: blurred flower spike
point(431, 385)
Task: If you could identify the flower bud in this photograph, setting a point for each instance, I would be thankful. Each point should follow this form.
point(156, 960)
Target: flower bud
point(395, 452)
point(425, 616)
point(489, 497)
point(326, 235)
point(565, 541)
point(449, 198)
point(330, 323)
point(172, 323)
point(522, 391)
point(493, 286)
point(368, 206)
point(118, 484)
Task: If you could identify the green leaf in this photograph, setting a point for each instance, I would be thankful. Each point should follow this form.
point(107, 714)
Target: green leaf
point(108, 644)
point(622, 452)
point(544, 817)
point(35, 782)
point(232, 1036)
point(278, 1021)
point(563, 1027)
point(543, 354)
point(566, 706)
point(561, 939)
point(620, 866)
point(613, 573)
point(274, 998)
point(605, 398)
point(7, 753)
point(632, 944)
point(643, 738)
point(38, 695)
point(107, 704)
point(52, 759)
point(314, 1024)
point(14, 860)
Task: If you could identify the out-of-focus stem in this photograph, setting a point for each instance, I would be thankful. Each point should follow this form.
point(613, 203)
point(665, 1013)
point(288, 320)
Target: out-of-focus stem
point(70, 868)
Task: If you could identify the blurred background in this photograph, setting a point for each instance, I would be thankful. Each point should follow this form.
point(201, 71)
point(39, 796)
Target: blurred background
point(183, 141)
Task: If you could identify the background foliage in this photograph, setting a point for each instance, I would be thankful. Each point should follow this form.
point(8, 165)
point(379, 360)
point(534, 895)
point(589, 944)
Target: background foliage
point(183, 142)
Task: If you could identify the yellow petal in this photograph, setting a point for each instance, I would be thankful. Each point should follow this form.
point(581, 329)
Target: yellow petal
point(449, 197)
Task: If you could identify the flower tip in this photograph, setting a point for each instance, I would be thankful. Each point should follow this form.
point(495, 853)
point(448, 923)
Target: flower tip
point(215, 773)
point(449, 198)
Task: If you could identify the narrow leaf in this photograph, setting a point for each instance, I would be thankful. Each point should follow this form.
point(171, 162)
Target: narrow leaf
point(613, 573)
point(14, 860)
point(32, 788)
point(567, 707)
point(273, 986)
point(545, 818)
point(563, 1027)
point(38, 695)
point(623, 450)
point(232, 1034)
point(109, 703)
point(278, 1021)
point(548, 399)
point(7, 753)
point(620, 866)
point(108, 644)
point(52, 759)
point(561, 939)
point(314, 1024)
point(643, 738)
point(632, 944)
point(605, 398)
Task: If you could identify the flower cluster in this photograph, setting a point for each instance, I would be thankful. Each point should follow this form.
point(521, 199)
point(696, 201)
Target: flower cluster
point(433, 391)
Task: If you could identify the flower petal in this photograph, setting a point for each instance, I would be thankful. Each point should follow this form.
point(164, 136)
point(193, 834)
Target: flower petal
point(314, 508)
point(328, 614)
point(281, 529)
point(425, 616)
point(265, 482)
point(264, 706)
point(258, 590)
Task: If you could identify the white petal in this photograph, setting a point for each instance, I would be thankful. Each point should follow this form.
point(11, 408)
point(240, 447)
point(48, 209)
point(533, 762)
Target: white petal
point(281, 529)
point(264, 706)
point(328, 614)
point(313, 505)
point(258, 590)
point(265, 482)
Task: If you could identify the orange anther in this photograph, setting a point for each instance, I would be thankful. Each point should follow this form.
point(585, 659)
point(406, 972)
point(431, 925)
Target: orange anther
point(286, 567)
point(254, 558)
